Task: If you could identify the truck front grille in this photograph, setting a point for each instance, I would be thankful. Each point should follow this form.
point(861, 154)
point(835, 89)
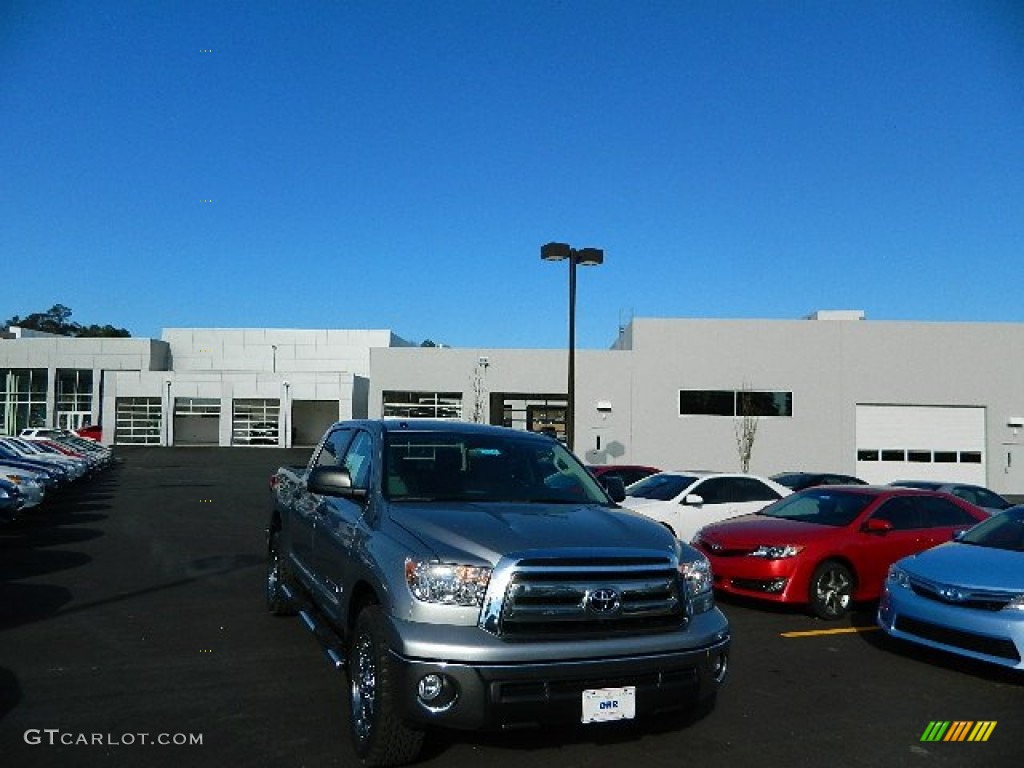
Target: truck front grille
point(570, 597)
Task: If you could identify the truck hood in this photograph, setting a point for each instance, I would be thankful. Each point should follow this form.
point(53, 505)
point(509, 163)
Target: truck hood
point(457, 531)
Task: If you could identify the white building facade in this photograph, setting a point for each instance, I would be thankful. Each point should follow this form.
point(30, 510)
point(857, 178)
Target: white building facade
point(201, 386)
point(834, 392)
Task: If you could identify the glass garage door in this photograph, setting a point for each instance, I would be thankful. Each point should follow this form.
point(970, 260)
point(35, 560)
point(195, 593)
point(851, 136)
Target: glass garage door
point(139, 421)
point(254, 422)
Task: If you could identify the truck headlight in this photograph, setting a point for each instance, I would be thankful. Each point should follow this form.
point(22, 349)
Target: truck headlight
point(697, 575)
point(447, 583)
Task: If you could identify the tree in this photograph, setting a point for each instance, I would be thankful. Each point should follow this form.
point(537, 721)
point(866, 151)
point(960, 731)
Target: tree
point(57, 320)
point(479, 405)
point(745, 426)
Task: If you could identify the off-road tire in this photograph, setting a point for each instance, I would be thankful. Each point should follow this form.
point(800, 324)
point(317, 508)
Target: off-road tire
point(379, 736)
point(277, 576)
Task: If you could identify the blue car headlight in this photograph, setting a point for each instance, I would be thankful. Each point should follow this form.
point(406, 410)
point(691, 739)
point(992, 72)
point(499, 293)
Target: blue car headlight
point(1016, 604)
point(897, 577)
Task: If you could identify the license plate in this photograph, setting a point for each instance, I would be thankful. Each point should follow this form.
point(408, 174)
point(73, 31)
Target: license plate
point(603, 704)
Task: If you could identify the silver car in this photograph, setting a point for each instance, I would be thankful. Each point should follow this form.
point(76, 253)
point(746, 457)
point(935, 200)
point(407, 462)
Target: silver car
point(965, 596)
point(29, 483)
point(977, 495)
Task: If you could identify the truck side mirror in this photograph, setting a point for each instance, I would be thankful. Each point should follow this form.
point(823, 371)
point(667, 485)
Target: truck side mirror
point(333, 481)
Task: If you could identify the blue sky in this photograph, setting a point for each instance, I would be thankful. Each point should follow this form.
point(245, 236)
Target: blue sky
point(399, 164)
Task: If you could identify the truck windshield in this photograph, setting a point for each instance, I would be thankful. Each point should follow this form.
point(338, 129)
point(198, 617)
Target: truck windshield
point(438, 466)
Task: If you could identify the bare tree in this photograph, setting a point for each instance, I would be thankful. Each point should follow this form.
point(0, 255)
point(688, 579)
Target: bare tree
point(478, 411)
point(745, 426)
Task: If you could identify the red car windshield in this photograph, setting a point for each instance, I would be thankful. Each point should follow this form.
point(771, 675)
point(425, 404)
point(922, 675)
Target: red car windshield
point(821, 506)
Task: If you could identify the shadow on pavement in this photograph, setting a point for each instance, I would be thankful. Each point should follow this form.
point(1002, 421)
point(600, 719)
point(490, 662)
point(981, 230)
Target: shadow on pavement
point(10, 692)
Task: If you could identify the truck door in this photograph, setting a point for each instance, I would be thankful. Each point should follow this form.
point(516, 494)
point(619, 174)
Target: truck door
point(307, 508)
point(340, 526)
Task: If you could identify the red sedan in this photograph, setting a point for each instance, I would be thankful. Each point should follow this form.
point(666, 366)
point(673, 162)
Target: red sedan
point(829, 546)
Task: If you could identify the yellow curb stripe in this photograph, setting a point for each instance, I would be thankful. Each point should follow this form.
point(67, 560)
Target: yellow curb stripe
point(820, 632)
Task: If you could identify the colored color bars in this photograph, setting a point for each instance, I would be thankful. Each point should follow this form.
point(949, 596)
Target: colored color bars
point(958, 730)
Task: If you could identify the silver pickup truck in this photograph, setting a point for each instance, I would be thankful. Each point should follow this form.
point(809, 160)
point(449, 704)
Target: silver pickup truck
point(472, 577)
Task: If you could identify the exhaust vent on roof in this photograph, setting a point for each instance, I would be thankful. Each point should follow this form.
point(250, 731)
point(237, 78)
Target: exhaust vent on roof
point(836, 314)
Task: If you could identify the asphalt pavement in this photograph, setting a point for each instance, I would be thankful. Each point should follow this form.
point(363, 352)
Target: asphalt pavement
point(133, 632)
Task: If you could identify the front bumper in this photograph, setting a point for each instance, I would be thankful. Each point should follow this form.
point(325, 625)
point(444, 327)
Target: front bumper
point(531, 684)
point(780, 581)
point(992, 636)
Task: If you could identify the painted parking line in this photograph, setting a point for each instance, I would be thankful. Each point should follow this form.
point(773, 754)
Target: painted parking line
point(820, 632)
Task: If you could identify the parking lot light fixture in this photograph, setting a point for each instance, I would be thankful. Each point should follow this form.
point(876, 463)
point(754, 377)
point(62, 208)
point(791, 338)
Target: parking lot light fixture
point(587, 257)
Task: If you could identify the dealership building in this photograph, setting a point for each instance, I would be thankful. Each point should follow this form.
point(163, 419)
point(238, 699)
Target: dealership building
point(834, 391)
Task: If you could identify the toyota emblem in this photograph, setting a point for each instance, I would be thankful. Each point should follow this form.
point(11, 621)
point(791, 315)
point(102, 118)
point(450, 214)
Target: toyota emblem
point(602, 602)
point(952, 594)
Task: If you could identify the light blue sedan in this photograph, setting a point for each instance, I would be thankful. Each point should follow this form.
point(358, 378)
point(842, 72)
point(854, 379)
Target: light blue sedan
point(965, 596)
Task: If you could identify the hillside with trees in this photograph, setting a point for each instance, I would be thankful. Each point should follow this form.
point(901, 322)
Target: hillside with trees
point(57, 320)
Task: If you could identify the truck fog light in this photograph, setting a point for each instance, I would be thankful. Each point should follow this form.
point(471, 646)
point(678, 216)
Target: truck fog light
point(437, 693)
point(430, 687)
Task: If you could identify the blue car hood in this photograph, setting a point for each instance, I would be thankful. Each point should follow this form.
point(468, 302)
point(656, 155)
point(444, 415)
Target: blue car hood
point(486, 531)
point(970, 566)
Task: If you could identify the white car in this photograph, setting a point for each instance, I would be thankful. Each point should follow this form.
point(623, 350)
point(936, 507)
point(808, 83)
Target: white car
point(686, 501)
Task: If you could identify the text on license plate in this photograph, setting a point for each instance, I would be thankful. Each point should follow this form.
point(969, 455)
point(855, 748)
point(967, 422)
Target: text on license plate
point(603, 704)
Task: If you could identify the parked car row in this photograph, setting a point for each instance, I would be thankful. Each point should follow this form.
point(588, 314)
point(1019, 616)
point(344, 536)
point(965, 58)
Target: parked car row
point(39, 463)
point(829, 546)
point(944, 560)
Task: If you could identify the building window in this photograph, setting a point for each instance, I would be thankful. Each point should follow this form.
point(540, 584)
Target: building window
point(533, 411)
point(707, 402)
point(22, 399)
point(422, 405)
point(919, 456)
point(74, 398)
point(254, 422)
point(138, 421)
point(549, 419)
point(730, 402)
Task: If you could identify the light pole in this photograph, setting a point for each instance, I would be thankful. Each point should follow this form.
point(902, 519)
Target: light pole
point(587, 257)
